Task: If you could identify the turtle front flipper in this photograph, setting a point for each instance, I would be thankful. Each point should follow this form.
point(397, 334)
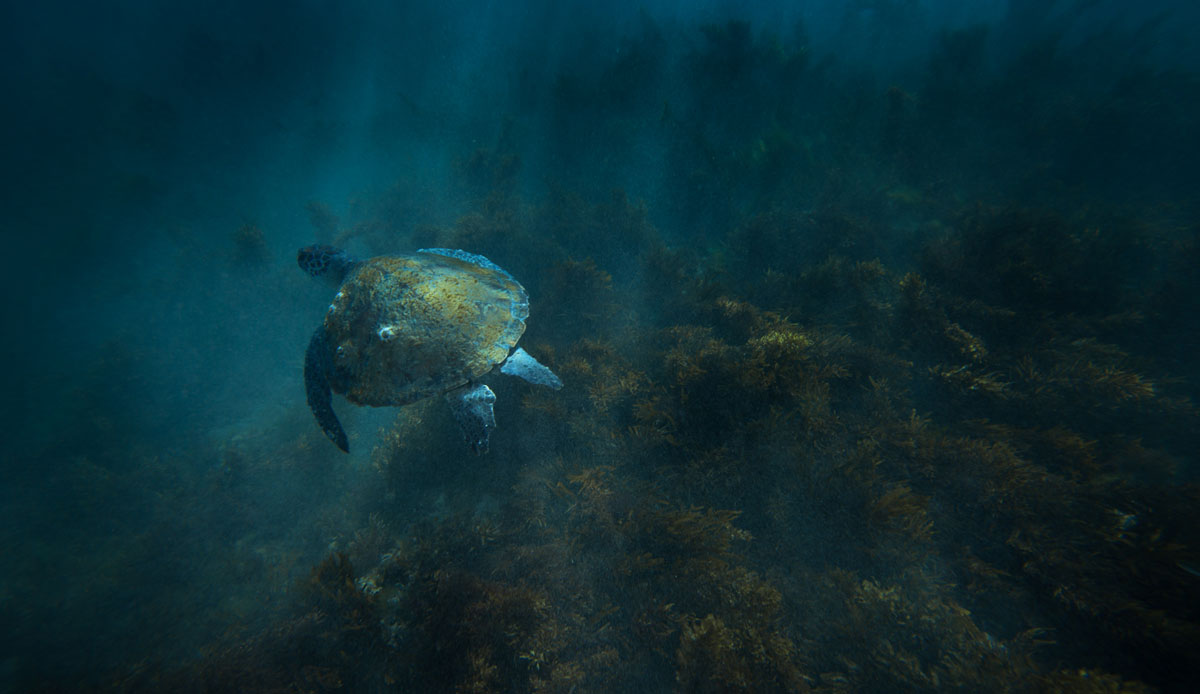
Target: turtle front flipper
point(472, 407)
point(316, 387)
point(524, 366)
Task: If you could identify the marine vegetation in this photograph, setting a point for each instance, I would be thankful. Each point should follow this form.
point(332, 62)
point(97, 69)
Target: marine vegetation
point(826, 427)
point(966, 494)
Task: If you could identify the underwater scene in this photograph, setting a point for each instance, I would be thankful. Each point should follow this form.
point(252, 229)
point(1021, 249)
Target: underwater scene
point(554, 346)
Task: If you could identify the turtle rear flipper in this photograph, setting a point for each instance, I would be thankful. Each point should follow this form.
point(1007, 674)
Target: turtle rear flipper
point(316, 387)
point(472, 407)
point(524, 366)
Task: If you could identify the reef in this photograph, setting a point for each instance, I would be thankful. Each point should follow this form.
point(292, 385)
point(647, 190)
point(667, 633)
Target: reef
point(959, 476)
point(839, 429)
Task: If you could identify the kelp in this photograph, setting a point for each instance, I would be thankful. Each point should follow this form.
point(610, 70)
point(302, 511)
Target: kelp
point(787, 456)
point(966, 495)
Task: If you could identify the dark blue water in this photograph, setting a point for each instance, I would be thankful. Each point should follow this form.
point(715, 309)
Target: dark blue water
point(877, 324)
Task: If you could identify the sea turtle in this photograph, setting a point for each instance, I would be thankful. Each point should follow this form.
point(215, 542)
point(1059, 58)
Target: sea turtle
point(406, 327)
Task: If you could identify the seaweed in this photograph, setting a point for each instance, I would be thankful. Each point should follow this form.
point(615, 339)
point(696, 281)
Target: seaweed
point(943, 479)
point(250, 246)
point(826, 426)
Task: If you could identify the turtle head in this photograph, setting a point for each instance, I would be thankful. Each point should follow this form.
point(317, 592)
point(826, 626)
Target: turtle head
point(325, 261)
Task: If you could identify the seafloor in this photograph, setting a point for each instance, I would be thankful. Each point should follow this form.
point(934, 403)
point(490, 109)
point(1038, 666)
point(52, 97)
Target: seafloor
point(872, 384)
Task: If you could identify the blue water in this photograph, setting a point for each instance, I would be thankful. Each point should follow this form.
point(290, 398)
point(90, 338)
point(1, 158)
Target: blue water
point(876, 322)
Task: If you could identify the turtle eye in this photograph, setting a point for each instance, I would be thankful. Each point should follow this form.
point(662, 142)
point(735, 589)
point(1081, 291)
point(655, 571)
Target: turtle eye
point(386, 333)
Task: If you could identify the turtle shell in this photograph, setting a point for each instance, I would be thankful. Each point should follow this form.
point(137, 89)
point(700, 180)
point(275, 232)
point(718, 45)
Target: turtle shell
point(403, 328)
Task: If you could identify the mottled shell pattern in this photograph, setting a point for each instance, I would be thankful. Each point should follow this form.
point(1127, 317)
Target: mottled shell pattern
point(403, 328)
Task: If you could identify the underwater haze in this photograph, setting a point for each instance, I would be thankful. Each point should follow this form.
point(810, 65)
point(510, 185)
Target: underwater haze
point(877, 322)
